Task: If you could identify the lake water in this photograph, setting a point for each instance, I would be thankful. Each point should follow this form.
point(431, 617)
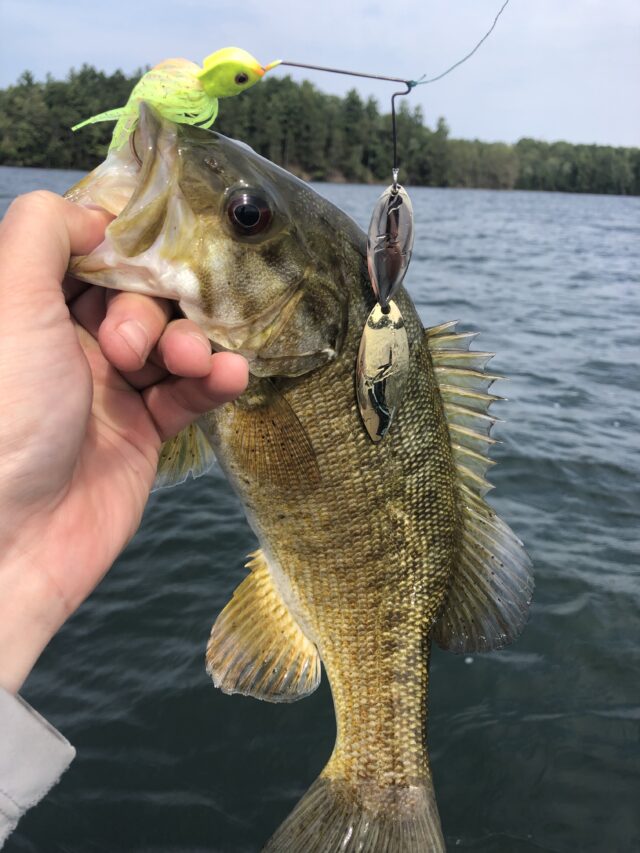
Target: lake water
point(535, 748)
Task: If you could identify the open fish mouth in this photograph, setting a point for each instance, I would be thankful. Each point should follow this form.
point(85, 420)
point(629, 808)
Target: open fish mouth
point(137, 185)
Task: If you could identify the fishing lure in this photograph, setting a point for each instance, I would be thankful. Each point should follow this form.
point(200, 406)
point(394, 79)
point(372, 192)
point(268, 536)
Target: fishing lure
point(185, 93)
point(382, 365)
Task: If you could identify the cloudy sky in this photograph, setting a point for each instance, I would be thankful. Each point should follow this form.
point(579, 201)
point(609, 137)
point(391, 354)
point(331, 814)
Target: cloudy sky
point(552, 69)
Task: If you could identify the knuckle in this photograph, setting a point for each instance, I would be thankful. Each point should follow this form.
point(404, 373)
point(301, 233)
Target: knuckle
point(36, 200)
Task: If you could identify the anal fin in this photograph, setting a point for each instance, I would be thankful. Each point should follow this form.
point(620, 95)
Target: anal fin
point(257, 648)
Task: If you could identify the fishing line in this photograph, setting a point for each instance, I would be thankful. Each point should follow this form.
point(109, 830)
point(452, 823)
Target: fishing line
point(410, 84)
point(421, 82)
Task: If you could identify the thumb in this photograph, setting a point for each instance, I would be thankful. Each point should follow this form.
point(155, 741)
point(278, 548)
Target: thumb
point(38, 235)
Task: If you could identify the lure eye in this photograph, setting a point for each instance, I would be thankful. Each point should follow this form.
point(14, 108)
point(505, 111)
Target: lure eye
point(249, 214)
point(242, 78)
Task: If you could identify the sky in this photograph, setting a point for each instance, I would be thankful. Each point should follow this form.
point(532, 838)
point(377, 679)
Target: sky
point(552, 69)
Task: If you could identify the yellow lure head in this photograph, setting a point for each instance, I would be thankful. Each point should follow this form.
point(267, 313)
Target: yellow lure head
point(230, 71)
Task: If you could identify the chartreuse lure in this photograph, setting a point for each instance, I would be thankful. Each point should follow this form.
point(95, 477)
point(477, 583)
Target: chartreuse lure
point(184, 92)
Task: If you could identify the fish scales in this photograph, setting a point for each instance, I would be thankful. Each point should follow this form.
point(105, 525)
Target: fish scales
point(369, 551)
point(367, 555)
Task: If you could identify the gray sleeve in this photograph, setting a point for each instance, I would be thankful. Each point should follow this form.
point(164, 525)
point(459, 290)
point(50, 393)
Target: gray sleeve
point(33, 756)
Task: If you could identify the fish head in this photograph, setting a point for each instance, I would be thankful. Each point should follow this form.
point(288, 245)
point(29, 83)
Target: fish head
point(248, 251)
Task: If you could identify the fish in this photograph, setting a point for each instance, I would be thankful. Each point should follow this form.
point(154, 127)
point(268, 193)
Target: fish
point(368, 552)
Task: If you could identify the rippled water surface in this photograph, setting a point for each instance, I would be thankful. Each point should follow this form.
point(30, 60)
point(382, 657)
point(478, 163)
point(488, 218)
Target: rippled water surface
point(534, 748)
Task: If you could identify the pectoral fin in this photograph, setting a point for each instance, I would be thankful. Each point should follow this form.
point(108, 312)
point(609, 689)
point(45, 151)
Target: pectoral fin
point(189, 452)
point(269, 440)
point(257, 648)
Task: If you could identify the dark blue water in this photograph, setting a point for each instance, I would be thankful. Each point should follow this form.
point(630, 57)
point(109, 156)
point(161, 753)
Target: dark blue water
point(535, 748)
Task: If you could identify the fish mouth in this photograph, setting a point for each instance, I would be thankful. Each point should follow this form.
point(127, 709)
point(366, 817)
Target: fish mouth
point(113, 183)
point(133, 184)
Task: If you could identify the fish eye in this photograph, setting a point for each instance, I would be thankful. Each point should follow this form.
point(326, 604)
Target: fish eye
point(249, 214)
point(242, 78)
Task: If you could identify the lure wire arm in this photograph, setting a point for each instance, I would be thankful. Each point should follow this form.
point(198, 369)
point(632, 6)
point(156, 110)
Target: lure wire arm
point(348, 73)
point(410, 84)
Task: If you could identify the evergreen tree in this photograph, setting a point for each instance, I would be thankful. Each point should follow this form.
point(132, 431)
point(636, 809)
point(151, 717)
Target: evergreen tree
point(318, 136)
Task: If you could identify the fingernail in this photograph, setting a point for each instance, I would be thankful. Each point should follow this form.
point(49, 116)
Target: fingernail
point(135, 335)
point(202, 341)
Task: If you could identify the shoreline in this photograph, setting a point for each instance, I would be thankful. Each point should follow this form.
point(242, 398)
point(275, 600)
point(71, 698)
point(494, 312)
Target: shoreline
point(344, 182)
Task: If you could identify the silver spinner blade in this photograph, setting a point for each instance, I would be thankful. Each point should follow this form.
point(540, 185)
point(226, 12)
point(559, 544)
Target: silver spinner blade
point(390, 242)
point(382, 369)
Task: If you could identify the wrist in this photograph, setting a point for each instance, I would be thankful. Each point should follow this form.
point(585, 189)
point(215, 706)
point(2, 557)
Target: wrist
point(31, 612)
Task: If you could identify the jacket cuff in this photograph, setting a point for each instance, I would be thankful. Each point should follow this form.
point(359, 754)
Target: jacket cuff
point(33, 756)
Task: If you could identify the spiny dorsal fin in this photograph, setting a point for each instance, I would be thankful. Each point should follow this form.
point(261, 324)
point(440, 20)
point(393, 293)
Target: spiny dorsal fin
point(257, 648)
point(492, 582)
point(189, 452)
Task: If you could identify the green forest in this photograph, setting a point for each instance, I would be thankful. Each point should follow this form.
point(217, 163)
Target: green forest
point(318, 136)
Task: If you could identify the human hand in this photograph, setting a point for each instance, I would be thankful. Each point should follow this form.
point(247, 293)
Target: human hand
point(91, 383)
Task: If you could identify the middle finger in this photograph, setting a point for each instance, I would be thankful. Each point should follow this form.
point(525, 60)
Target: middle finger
point(131, 329)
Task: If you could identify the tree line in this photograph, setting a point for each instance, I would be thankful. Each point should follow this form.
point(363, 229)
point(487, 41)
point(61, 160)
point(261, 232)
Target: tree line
point(318, 136)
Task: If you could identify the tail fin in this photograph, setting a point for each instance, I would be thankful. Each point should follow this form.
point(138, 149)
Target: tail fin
point(334, 817)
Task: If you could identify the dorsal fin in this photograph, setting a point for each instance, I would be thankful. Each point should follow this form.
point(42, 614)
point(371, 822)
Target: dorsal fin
point(492, 582)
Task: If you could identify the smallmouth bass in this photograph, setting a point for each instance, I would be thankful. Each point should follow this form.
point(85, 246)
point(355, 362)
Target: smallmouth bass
point(368, 552)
